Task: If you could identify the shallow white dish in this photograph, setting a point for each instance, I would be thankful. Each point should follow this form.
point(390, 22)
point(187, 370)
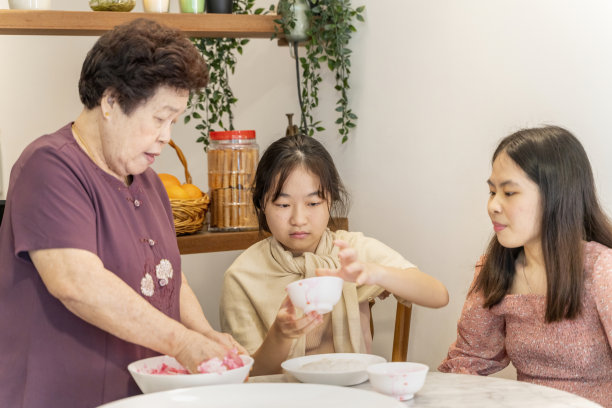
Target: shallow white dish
point(261, 395)
point(336, 375)
point(162, 382)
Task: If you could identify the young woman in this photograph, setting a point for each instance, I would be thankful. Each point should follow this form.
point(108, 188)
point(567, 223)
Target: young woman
point(297, 187)
point(542, 293)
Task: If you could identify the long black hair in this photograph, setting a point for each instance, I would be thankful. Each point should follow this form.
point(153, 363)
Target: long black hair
point(556, 161)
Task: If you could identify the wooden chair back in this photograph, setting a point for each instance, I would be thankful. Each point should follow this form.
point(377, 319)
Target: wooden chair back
point(401, 333)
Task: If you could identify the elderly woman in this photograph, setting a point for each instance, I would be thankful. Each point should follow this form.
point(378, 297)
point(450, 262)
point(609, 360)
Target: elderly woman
point(91, 277)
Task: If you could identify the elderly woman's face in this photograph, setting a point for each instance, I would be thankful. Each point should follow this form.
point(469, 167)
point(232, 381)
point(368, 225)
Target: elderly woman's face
point(131, 142)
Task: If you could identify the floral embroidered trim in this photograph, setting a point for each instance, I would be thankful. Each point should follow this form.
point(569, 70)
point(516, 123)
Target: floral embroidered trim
point(163, 271)
point(146, 285)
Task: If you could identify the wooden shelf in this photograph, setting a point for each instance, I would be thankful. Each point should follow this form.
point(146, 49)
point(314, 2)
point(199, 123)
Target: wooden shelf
point(206, 241)
point(94, 23)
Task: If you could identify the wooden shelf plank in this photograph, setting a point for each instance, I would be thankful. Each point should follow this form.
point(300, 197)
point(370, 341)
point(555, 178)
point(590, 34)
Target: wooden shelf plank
point(94, 23)
point(206, 241)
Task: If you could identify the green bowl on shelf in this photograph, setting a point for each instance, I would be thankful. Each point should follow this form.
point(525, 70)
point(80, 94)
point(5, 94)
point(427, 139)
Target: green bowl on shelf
point(112, 5)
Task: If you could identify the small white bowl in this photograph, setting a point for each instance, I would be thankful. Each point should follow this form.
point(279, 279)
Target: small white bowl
point(400, 379)
point(318, 294)
point(147, 382)
point(29, 4)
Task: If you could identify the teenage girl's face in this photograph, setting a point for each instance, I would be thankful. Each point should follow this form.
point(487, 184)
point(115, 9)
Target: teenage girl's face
point(298, 217)
point(515, 206)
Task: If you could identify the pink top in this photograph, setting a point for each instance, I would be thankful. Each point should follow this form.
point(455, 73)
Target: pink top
point(571, 355)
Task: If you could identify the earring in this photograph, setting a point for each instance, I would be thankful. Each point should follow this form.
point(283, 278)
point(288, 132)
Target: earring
point(107, 114)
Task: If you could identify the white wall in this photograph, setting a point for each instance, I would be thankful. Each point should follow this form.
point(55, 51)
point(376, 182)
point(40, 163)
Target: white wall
point(436, 84)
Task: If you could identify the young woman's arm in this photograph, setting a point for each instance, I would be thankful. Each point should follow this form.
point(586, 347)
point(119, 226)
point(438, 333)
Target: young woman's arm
point(409, 284)
point(480, 345)
point(602, 290)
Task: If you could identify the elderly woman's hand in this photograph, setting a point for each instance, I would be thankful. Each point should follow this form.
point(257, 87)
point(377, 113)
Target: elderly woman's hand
point(227, 340)
point(194, 348)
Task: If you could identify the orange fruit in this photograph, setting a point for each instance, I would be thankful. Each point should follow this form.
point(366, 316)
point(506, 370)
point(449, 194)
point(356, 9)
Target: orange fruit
point(177, 192)
point(169, 180)
point(192, 191)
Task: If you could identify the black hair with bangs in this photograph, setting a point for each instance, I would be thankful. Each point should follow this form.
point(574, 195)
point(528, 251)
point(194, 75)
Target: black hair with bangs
point(281, 158)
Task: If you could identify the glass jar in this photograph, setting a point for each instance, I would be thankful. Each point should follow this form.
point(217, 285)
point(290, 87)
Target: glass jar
point(29, 4)
point(156, 6)
point(232, 161)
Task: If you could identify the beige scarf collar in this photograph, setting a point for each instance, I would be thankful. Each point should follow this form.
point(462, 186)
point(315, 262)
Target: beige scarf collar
point(345, 316)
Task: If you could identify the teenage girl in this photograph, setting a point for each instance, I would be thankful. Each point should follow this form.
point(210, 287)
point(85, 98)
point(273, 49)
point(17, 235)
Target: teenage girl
point(296, 189)
point(542, 293)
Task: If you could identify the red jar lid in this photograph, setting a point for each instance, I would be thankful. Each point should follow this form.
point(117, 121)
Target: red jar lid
point(232, 135)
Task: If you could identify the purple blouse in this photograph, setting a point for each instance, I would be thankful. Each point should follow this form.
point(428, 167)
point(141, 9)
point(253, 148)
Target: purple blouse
point(58, 198)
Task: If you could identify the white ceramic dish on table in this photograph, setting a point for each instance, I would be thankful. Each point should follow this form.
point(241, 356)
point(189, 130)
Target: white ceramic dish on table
point(140, 371)
point(335, 368)
point(261, 395)
point(318, 294)
point(399, 379)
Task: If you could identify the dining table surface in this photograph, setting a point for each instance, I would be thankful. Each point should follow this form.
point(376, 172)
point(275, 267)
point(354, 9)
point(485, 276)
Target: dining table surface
point(443, 390)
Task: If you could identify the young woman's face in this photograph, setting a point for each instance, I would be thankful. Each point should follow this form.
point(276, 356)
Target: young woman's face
point(131, 142)
point(514, 206)
point(298, 217)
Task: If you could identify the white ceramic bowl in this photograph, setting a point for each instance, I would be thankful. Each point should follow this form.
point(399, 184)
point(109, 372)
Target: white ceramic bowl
point(30, 4)
point(400, 380)
point(332, 369)
point(162, 382)
point(318, 294)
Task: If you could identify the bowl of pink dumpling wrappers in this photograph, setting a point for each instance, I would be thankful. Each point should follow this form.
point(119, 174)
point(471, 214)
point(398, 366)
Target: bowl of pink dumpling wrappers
point(164, 373)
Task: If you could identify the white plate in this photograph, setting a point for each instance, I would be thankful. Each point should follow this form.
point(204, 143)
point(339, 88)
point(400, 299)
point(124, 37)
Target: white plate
point(260, 395)
point(332, 377)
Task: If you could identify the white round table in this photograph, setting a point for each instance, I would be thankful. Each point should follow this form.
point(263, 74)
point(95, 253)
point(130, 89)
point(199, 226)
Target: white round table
point(443, 390)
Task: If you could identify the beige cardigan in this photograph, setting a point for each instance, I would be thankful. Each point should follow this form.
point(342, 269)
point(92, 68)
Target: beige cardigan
point(254, 288)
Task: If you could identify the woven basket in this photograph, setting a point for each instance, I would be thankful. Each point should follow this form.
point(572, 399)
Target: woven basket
point(188, 214)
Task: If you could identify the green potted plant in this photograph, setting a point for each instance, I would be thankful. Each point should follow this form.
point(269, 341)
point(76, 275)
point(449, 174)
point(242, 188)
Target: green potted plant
point(328, 33)
point(212, 108)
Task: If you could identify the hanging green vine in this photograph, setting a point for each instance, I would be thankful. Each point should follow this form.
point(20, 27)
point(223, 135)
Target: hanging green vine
point(211, 109)
point(329, 34)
